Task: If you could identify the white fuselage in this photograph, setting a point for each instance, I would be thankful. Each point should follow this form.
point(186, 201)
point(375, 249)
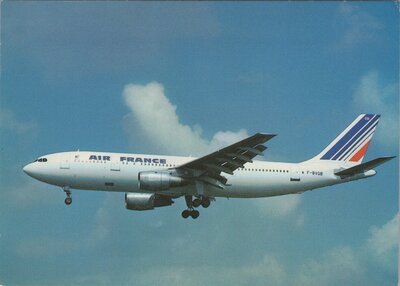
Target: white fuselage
point(118, 172)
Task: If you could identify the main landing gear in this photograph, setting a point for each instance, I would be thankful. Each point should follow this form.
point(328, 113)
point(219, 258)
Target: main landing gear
point(190, 212)
point(191, 204)
point(68, 199)
point(203, 201)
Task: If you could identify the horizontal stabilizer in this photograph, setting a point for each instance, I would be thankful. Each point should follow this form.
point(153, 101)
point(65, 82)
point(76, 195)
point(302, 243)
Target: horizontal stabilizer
point(359, 169)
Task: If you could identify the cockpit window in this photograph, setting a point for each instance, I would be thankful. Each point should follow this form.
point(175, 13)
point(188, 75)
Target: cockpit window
point(41, 160)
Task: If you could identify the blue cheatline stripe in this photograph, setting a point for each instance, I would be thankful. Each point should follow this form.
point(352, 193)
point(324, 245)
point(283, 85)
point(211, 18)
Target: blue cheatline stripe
point(328, 155)
point(360, 141)
point(349, 144)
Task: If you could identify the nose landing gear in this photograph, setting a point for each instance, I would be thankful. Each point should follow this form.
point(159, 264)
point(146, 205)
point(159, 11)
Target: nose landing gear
point(68, 199)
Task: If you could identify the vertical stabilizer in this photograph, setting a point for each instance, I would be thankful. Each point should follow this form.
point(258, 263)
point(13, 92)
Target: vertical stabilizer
point(352, 144)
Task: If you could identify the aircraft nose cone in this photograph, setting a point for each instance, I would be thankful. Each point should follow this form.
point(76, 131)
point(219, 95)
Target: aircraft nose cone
point(28, 169)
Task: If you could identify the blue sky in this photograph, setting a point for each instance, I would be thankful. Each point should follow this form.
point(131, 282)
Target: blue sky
point(208, 73)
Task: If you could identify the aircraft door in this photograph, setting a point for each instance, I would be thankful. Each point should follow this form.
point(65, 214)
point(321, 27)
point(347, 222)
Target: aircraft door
point(64, 162)
point(294, 175)
point(115, 166)
point(113, 174)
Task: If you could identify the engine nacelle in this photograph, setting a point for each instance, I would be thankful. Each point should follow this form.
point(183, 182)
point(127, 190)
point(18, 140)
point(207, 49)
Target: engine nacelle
point(159, 181)
point(143, 201)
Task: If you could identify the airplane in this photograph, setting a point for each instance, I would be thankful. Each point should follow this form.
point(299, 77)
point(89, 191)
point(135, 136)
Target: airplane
point(152, 181)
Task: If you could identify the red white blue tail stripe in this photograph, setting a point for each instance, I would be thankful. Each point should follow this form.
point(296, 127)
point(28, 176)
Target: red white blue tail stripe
point(352, 143)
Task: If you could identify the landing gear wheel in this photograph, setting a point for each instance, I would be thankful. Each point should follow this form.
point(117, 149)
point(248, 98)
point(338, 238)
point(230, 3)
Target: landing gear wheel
point(205, 203)
point(196, 203)
point(68, 201)
point(190, 203)
point(185, 213)
point(194, 214)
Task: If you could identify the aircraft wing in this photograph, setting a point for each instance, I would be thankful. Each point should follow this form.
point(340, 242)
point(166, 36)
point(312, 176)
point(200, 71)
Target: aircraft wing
point(364, 167)
point(208, 169)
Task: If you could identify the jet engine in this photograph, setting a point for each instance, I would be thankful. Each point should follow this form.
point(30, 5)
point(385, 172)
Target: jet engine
point(159, 181)
point(143, 201)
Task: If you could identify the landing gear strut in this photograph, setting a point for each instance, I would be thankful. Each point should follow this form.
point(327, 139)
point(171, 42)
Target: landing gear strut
point(190, 211)
point(68, 199)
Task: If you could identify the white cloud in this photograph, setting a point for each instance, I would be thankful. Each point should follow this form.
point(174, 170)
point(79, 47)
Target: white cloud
point(342, 265)
point(339, 266)
point(372, 96)
point(267, 271)
point(384, 241)
point(224, 138)
point(102, 221)
point(358, 26)
point(8, 121)
point(349, 266)
point(279, 206)
point(156, 117)
point(158, 120)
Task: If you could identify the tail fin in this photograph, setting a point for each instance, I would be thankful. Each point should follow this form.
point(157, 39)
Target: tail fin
point(352, 144)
